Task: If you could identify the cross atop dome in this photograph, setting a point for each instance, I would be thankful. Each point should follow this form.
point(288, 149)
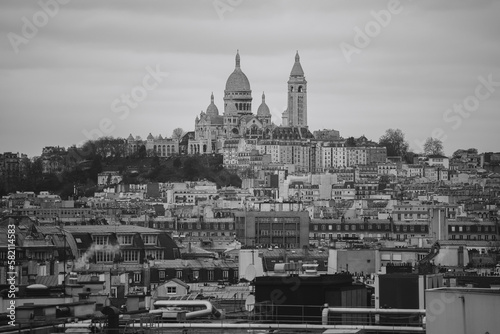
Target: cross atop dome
point(237, 58)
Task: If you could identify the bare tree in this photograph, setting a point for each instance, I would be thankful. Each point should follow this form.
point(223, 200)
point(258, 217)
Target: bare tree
point(177, 133)
point(433, 147)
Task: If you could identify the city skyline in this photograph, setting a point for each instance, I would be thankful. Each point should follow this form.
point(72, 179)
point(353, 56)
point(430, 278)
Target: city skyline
point(67, 65)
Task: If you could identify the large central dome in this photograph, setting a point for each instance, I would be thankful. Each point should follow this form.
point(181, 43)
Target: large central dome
point(237, 81)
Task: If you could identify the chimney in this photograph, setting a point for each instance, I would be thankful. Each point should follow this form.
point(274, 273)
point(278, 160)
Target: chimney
point(60, 279)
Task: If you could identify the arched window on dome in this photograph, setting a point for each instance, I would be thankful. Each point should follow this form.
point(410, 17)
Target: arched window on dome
point(164, 150)
point(291, 88)
point(168, 150)
point(154, 148)
point(300, 89)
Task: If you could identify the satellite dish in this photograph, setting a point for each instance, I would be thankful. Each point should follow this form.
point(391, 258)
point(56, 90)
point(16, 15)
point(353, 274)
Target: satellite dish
point(250, 273)
point(250, 303)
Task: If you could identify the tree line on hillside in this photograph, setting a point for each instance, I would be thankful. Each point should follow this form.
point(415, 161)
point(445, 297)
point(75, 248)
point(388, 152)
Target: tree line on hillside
point(78, 168)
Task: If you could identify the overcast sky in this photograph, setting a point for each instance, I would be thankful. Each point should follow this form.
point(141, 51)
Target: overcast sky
point(68, 77)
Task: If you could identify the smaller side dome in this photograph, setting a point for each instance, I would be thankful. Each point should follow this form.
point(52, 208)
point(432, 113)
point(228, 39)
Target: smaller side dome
point(150, 137)
point(263, 108)
point(212, 109)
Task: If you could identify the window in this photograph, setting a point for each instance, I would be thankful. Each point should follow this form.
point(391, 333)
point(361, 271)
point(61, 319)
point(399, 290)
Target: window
point(453, 228)
point(154, 254)
point(149, 239)
point(178, 274)
point(130, 256)
point(137, 277)
point(225, 274)
point(125, 239)
point(171, 289)
point(196, 274)
point(104, 256)
point(162, 274)
point(210, 275)
point(385, 257)
point(101, 239)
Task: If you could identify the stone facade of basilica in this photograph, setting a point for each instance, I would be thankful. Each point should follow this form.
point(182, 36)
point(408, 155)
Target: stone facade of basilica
point(238, 121)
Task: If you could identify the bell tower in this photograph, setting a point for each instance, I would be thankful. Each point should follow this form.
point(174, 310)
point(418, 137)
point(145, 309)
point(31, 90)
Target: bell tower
point(297, 96)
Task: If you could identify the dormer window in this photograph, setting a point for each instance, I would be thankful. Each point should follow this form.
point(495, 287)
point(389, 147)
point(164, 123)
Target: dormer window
point(101, 239)
point(125, 239)
point(149, 239)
